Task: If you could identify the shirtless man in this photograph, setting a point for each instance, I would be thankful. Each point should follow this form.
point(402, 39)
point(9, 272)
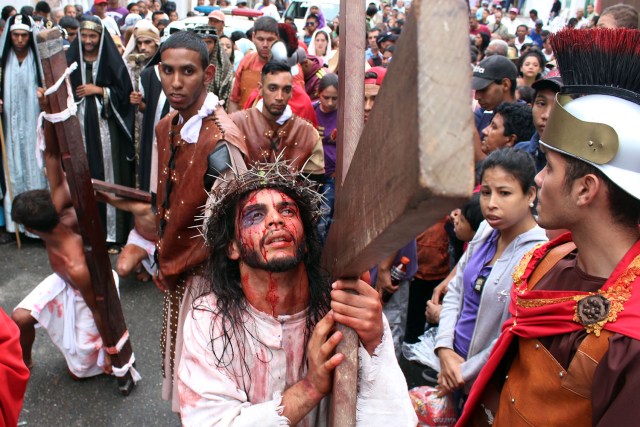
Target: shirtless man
point(63, 303)
point(138, 254)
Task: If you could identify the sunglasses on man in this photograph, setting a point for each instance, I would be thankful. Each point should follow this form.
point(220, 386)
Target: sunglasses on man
point(310, 24)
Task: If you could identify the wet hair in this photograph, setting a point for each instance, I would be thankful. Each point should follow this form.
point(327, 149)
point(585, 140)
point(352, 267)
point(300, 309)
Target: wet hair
point(190, 41)
point(69, 22)
point(626, 16)
point(274, 67)
point(35, 209)
point(472, 212)
point(329, 80)
point(231, 303)
point(623, 206)
point(266, 24)
point(517, 119)
point(514, 161)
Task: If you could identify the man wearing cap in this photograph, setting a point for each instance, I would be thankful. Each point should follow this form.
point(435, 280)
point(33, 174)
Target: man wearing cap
point(494, 82)
point(18, 103)
point(271, 129)
point(100, 10)
point(216, 20)
point(512, 21)
point(570, 355)
point(265, 34)
point(543, 100)
point(101, 86)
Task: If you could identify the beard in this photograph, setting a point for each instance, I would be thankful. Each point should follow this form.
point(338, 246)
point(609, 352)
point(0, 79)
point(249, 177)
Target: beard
point(253, 259)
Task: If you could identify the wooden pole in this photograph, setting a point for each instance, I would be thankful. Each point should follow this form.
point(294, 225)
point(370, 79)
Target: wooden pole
point(68, 135)
point(413, 161)
point(350, 125)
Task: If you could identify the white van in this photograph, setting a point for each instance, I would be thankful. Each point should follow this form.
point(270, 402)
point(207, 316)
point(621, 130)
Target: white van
point(298, 9)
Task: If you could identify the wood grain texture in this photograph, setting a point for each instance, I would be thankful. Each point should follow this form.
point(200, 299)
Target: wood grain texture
point(74, 159)
point(121, 191)
point(350, 125)
point(413, 162)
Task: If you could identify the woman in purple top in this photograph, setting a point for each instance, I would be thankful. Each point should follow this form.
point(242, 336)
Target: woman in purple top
point(477, 301)
point(327, 115)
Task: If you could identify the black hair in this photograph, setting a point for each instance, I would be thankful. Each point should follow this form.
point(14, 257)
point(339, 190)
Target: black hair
point(232, 57)
point(513, 82)
point(35, 209)
point(536, 53)
point(43, 6)
point(249, 33)
point(623, 206)
point(514, 161)
point(275, 67)
point(329, 80)
point(522, 25)
point(472, 212)
point(190, 41)
point(474, 53)
point(156, 13)
point(485, 41)
point(313, 16)
point(6, 12)
point(266, 24)
point(26, 10)
point(237, 35)
point(371, 10)
point(526, 94)
point(169, 7)
point(69, 22)
point(535, 12)
point(572, 22)
point(517, 119)
point(230, 309)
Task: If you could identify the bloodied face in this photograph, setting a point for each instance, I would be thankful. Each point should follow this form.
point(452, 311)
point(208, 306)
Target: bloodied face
point(269, 232)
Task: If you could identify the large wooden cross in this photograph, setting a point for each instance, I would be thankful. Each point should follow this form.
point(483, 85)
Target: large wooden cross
point(68, 136)
point(413, 161)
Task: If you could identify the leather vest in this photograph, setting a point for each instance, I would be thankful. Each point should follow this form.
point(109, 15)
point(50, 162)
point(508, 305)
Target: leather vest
point(535, 379)
point(180, 247)
point(266, 139)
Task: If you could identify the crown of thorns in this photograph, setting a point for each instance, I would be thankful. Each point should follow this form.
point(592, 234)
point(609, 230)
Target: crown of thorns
point(278, 175)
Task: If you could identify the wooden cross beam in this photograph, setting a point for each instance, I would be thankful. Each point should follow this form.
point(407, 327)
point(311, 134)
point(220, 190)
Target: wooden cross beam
point(413, 161)
point(68, 136)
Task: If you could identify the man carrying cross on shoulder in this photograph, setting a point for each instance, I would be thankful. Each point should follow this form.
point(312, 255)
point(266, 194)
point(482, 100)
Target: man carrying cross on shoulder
point(259, 343)
point(64, 303)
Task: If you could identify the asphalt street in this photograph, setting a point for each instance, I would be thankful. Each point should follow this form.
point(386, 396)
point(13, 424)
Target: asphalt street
point(53, 398)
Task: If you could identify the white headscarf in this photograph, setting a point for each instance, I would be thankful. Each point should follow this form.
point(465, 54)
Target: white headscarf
point(312, 45)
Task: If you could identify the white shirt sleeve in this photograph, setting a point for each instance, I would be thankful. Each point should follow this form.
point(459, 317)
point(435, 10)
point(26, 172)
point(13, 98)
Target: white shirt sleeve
point(208, 396)
point(383, 397)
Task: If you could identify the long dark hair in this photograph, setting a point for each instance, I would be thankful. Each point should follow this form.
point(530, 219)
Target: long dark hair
point(229, 311)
